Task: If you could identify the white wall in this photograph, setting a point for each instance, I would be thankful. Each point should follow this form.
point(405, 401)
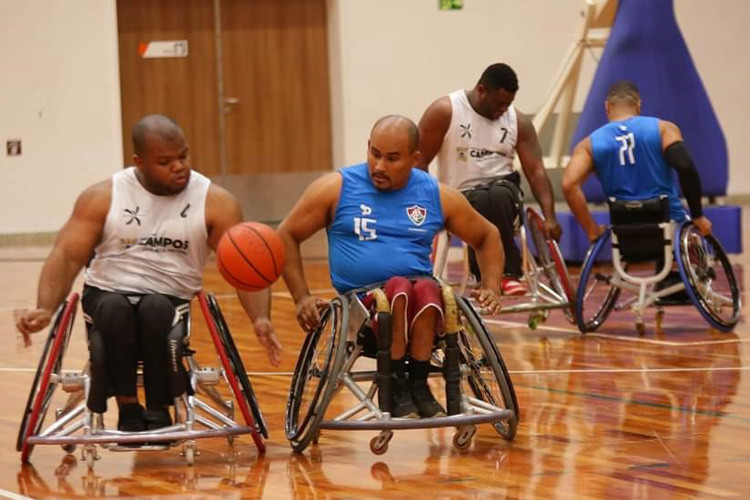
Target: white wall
point(60, 94)
point(397, 56)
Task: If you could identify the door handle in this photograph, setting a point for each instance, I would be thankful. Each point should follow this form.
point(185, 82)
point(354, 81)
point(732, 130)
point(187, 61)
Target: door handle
point(229, 103)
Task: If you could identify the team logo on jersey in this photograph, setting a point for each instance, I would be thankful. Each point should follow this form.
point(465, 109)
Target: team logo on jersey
point(133, 215)
point(416, 214)
point(462, 153)
point(465, 130)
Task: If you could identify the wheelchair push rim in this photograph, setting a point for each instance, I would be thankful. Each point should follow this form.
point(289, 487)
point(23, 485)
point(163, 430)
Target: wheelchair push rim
point(551, 261)
point(703, 264)
point(43, 387)
point(316, 361)
point(586, 292)
point(243, 395)
point(489, 380)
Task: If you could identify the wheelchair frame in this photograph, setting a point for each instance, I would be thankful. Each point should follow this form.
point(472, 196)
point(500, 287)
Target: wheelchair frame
point(696, 282)
point(76, 425)
point(322, 372)
point(544, 271)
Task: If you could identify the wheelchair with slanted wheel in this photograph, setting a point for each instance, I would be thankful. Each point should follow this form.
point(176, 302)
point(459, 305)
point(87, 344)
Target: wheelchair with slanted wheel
point(199, 412)
point(477, 385)
point(544, 272)
point(641, 239)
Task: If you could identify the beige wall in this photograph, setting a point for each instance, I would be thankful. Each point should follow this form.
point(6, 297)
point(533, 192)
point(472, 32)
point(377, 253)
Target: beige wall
point(396, 56)
point(59, 84)
point(60, 94)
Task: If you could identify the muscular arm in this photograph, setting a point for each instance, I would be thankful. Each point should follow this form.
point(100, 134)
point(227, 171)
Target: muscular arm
point(530, 154)
point(222, 212)
point(313, 212)
point(677, 156)
point(72, 248)
point(580, 166)
point(432, 129)
point(462, 220)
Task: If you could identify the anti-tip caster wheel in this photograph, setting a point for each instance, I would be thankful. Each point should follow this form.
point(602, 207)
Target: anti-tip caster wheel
point(463, 437)
point(640, 328)
point(379, 444)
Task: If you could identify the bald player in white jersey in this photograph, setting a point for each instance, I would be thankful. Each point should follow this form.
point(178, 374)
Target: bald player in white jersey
point(149, 228)
point(475, 135)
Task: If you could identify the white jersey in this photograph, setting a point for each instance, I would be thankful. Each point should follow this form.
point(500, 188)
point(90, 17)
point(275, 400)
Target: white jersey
point(476, 149)
point(151, 243)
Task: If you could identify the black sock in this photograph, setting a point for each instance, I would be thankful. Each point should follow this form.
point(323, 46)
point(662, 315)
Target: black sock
point(418, 370)
point(399, 367)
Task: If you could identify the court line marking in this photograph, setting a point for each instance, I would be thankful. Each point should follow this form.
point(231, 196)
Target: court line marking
point(512, 372)
point(13, 496)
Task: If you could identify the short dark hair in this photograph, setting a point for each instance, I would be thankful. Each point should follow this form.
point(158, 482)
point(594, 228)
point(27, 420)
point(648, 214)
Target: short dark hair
point(499, 76)
point(411, 128)
point(162, 125)
point(624, 90)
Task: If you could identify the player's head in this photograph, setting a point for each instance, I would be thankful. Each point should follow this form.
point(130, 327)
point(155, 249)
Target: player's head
point(495, 90)
point(623, 97)
point(161, 154)
point(392, 152)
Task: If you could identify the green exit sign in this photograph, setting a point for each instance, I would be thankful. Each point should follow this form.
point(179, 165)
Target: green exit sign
point(450, 4)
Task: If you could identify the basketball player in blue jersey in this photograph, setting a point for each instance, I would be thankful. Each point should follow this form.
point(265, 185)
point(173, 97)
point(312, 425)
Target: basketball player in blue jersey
point(381, 217)
point(633, 157)
point(150, 229)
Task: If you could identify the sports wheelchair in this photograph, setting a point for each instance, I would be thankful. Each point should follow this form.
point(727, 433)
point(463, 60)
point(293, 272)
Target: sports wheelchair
point(641, 233)
point(544, 272)
point(76, 425)
point(477, 384)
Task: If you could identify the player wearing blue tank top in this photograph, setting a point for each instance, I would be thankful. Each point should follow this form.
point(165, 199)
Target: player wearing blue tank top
point(633, 157)
point(381, 217)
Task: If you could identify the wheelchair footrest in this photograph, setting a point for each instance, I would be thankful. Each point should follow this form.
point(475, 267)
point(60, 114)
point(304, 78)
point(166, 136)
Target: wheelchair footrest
point(417, 423)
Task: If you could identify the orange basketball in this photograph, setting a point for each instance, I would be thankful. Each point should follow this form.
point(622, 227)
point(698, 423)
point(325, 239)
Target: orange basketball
point(250, 256)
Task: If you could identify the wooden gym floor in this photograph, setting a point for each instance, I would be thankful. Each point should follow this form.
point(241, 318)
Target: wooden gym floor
point(606, 415)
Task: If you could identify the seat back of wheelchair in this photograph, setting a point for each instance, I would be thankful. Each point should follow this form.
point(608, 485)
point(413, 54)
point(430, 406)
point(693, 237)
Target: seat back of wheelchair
point(641, 229)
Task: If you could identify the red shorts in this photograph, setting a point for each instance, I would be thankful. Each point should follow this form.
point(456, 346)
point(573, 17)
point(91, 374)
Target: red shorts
point(420, 294)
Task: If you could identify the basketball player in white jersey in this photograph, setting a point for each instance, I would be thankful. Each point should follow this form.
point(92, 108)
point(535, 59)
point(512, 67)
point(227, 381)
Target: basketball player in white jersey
point(149, 228)
point(475, 135)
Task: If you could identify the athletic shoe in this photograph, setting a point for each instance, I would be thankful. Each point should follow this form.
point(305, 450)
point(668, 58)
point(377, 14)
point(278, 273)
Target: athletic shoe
point(425, 400)
point(511, 286)
point(156, 419)
point(403, 405)
point(131, 418)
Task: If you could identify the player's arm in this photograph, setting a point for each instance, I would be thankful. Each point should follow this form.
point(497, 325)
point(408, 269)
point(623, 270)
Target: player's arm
point(530, 154)
point(580, 166)
point(222, 212)
point(432, 129)
point(71, 251)
point(678, 157)
point(312, 212)
point(462, 220)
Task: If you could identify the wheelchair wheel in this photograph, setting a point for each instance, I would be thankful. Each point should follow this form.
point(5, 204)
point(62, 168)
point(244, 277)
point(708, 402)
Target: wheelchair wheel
point(237, 365)
point(312, 387)
point(488, 379)
point(555, 280)
point(708, 276)
point(233, 367)
point(596, 296)
point(44, 382)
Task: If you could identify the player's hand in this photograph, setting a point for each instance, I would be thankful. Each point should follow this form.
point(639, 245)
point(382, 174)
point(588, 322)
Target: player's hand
point(703, 224)
point(308, 312)
point(30, 321)
point(595, 232)
point(487, 300)
point(552, 229)
point(267, 337)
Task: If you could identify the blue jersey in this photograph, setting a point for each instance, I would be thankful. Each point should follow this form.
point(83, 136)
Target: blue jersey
point(630, 164)
point(376, 235)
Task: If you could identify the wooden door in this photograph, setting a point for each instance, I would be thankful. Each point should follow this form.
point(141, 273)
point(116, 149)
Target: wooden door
point(183, 88)
point(276, 68)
